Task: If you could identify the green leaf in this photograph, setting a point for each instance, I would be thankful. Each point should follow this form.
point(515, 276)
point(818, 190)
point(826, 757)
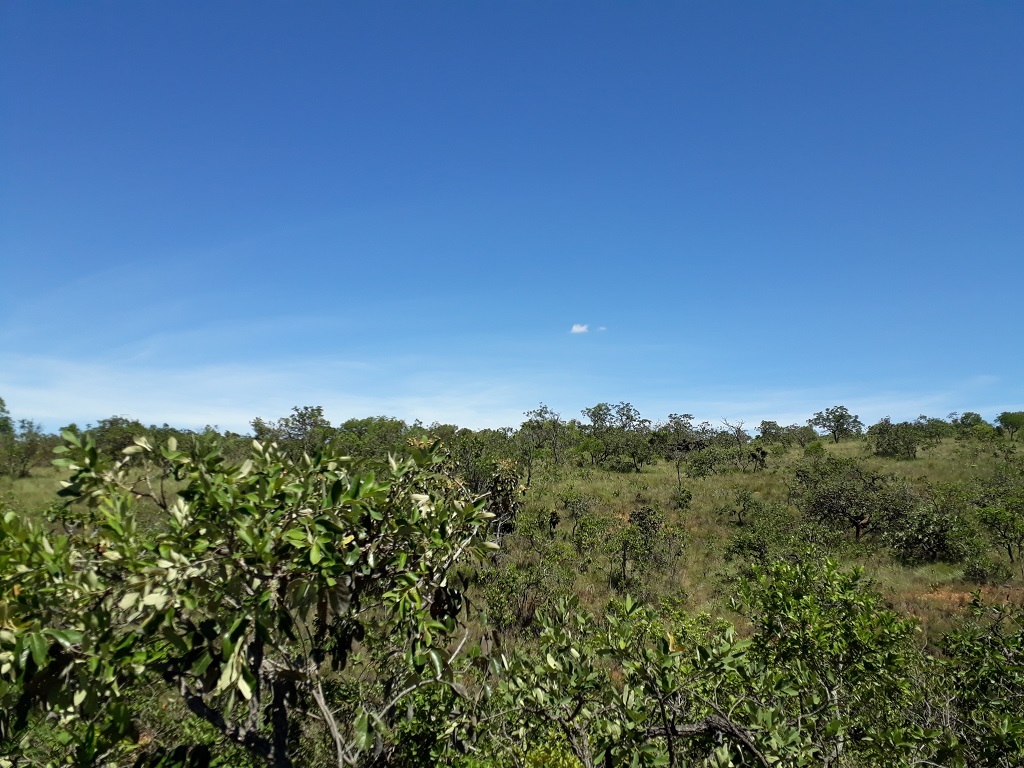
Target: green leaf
point(66, 637)
point(364, 737)
point(435, 660)
point(38, 647)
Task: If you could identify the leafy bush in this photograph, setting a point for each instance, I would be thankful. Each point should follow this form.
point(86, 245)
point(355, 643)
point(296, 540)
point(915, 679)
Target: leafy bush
point(898, 441)
point(814, 449)
point(940, 528)
point(826, 678)
point(681, 498)
point(249, 603)
point(982, 569)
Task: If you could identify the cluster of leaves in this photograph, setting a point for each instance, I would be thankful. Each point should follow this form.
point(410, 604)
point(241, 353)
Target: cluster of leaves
point(982, 685)
point(830, 676)
point(267, 588)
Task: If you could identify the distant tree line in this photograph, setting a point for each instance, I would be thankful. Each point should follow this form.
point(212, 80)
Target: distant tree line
point(611, 436)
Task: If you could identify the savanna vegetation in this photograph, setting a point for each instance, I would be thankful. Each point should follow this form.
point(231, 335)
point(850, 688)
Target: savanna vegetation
point(605, 590)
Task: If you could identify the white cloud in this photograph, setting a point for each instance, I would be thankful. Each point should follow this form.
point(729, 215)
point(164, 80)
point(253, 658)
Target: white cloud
point(579, 328)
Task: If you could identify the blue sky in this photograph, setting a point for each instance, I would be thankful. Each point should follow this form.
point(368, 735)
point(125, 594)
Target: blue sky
point(216, 211)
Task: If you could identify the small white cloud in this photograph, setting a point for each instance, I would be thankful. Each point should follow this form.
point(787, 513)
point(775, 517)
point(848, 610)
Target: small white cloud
point(601, 328)
point(579, 328)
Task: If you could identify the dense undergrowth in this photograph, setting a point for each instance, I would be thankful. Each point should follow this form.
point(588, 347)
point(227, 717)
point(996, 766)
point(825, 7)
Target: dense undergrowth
point(611, 593)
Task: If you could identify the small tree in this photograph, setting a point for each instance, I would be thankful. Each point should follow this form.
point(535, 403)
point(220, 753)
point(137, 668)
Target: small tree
point(939, 528)
point(634, 436)
point(23, 449)
point(1011, 422)
point(1005, 524)
point(306, 430)
point(803, 434)
point(676, 438)
point(843, 493)
point(640, 541)
point(837, 422)
point(112, 435)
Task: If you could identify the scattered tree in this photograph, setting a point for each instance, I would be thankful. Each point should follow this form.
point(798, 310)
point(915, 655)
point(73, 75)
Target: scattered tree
point(842, 492)
point(1011, 422)
point(837, 422)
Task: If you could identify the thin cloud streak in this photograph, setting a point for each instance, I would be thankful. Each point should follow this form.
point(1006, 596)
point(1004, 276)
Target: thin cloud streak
point(57, 392)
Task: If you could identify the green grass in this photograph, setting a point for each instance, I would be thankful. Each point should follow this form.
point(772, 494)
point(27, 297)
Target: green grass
point(702, 577)
point(33, 493)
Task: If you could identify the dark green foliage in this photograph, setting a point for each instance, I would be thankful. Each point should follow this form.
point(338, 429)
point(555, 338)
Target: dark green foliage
point(825, 678)
point(682, 498)
point(618, 437)
point(939, 528)
point(814, 449)
point(764, 530)
point(640, 544)
point(837, 422)
point(6, 425)
point(984, 680)
point(771, 433)
point(542, 435)
point(23, 444)
point(504, 496)
point(844, 493)
point(802, 434)
point(966, 422)
point(514, 593)
point(1011, 422)
point(898, 441)
point(1006, 527)
point(982, 569)
point(305, 431)
point(114, 434)
point(708, 461)
point(744, 507)
point(588, 534)
point(23, 448)
point(371, 439)
point(934, 429)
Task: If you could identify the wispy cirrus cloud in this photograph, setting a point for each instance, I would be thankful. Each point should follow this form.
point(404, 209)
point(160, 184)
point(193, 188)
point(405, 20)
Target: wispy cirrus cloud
point(580, 328)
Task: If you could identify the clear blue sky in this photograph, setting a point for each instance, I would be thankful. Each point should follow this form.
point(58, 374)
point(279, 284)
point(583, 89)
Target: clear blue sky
point(211, 211)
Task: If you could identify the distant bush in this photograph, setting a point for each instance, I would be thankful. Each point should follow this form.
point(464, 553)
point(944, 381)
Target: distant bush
point(898, 441)
point(983, 569)
point(814, 449)
point(681, 498)
point(940, 527)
